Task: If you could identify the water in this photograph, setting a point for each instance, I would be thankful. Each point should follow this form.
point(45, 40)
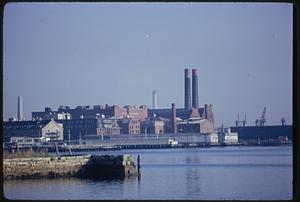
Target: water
point(216, 173)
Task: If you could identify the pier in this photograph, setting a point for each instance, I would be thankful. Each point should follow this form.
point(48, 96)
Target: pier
point(82, 166)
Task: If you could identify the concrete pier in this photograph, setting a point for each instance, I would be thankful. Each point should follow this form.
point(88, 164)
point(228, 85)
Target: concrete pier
point(85, 166)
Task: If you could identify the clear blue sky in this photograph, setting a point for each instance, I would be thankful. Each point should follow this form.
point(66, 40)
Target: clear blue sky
point(117, 53)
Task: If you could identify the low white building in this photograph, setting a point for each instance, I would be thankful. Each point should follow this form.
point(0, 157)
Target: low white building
point(214, 138)
point(228, 137)
point(25, 141)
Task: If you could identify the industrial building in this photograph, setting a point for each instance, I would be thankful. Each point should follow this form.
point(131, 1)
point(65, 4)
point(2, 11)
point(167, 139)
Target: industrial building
point(100, 127)
point(154, 125)
point(130, 126)
point(33, 129)
point(90, 112)
point(108, 127)
point(86, 122)
point(247, 133)
point(195, 125)
point(191, 118)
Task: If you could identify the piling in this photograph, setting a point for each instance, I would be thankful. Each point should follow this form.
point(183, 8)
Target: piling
point(138, 164)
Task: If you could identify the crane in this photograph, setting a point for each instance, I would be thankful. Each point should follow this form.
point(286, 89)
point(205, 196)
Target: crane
point(237, 122)
point(262, 120)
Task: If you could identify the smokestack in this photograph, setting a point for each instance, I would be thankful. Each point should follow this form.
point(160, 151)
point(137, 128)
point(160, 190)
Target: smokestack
point(154, 99)
point(174, 118)
point(195, 96)
point(187, 88)
point(20, 108)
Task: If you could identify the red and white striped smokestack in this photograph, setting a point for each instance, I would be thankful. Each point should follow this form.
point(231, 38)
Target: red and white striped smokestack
point(187, 88)
point(195, 96)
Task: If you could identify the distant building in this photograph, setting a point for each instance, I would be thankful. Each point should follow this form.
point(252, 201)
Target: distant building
point(33, 129)
point(228, 137)
point(26, 141)
point(182, 113)
point(247, 133)
point(154, 125)
point(130, 126)
point(49, 114)
point(108, 127)
point(91, 112)
point(214, 138)
point(195, 125)
point(79, 129)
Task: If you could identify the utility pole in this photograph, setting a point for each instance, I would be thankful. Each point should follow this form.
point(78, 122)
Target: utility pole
point(79, 136)
point(69, 136)
point(237, 121)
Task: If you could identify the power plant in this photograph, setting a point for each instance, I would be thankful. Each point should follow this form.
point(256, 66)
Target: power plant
point(187, 88)
point(195, 96)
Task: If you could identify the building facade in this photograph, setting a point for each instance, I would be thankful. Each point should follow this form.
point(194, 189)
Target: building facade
point(193, 125)
point(108, 127)
point(91, 112)
point(130, 126)
point(33, 129)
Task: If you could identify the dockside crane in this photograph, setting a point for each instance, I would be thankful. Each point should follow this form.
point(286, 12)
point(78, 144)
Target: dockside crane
point(256, 122)
point(238, 122)
point(262, 119)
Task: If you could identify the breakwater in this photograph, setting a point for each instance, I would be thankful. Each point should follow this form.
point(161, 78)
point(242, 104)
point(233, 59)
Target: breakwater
point(83, 166)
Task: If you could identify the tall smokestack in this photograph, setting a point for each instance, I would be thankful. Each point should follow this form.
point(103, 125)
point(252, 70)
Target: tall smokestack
point(154, 99)
point(195, 96)
point(187, 88)
point(174, 124)
point(20, 108)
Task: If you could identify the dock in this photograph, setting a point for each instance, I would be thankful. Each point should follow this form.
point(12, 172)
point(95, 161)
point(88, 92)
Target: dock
point(82, 166)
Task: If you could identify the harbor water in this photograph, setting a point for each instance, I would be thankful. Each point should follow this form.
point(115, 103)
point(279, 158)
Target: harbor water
point(212, 173)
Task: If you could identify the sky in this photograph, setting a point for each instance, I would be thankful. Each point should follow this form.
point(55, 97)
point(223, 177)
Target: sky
point(117, 53)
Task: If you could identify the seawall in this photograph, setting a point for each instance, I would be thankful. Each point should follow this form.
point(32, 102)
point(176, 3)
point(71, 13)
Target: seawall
point(85, 166)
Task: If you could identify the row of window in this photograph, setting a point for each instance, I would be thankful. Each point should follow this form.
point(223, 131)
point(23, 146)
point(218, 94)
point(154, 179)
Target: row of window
point(81, 121)
point(134, 126)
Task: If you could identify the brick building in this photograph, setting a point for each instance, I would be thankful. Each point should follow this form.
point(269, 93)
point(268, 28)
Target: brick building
point(91, 112)
point(130, 126)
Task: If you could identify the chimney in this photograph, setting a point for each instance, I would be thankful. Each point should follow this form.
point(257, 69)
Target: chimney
point(195, 96)
point(154, 99)
point(20, 108)
point(187, 88)
point(208, 112)
point(174, 124)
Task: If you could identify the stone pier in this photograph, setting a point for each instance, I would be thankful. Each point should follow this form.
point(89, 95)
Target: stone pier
point(84, 166)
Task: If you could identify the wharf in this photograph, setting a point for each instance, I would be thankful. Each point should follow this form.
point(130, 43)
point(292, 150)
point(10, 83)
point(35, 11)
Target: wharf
point(82, 166)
